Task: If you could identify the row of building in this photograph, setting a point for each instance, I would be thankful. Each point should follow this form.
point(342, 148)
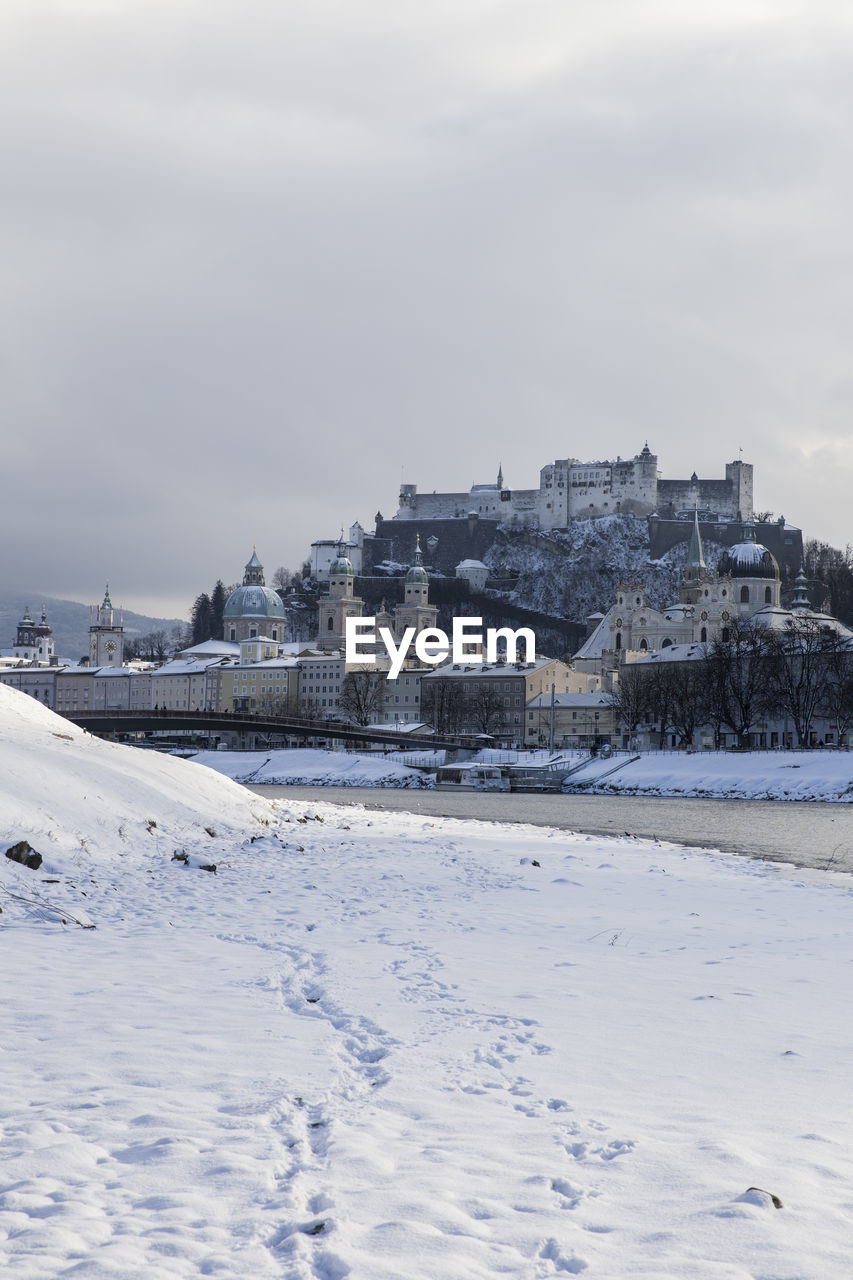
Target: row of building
point(255, 670)
point(525, 703)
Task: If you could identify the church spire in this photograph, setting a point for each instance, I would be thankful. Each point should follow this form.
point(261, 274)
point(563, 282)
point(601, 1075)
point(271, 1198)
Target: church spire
point(695, 557)
point(500, 475)
point(801, 600)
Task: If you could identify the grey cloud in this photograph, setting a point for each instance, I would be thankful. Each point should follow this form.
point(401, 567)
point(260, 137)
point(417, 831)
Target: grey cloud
point(262, 257)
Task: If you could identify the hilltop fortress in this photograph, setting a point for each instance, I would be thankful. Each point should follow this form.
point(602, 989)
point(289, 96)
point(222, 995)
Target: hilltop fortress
point(573, 490)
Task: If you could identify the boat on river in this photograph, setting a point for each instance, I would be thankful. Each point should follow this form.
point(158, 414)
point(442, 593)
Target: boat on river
point(472, 776)
point(530, 775)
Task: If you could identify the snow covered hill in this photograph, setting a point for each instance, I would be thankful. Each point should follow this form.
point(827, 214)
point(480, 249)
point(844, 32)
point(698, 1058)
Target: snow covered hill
point(72, 796)
point(574, 573)
point(377, 1047)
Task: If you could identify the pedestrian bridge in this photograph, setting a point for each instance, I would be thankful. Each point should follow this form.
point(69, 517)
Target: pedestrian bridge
point(210, 723)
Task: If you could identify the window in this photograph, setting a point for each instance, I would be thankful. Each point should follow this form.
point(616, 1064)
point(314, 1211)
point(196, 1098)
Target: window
point(744, 595)
point(767, 595)
point(703, 634)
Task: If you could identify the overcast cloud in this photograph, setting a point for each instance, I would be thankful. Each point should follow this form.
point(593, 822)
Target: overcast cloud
point(262, 259)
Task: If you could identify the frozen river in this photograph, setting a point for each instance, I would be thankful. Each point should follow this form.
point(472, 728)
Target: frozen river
point(818, 835)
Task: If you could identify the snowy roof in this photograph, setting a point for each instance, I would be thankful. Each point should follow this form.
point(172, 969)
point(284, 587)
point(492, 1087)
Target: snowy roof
point(470, 564)
point(225, 648)
point(116, 672)
point(498, 670)
point(597, 642)
point(189, 666)
point(265, 664)
point(542, 701)
point(672, 653)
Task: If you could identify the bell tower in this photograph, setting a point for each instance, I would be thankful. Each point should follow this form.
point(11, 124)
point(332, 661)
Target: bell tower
point(106, 637)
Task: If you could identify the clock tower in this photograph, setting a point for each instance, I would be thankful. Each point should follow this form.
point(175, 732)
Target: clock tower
point(106, 638)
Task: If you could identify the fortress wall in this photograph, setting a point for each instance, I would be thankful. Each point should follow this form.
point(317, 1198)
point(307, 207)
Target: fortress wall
point(681, 495)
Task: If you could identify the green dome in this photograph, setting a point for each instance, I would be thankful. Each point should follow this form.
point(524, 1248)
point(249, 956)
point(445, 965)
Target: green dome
point(418, 573)
point(341, 567)
point(253, 602)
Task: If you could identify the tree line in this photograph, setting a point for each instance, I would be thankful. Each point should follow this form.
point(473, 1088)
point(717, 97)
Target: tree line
point(798, 672)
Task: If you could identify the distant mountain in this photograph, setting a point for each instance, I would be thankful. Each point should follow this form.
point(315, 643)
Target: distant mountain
point(70, 622)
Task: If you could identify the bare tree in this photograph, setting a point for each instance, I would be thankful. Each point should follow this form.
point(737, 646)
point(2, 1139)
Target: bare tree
point(362, 695)
point(660, 690)
point(486, 708)
point(684, 697)
point(630, 698)
point(737, 668)
point(443, 704)
point(799, 658)
point(837, 697)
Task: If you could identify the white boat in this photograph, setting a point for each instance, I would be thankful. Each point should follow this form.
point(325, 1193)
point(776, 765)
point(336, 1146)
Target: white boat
point(471, 777)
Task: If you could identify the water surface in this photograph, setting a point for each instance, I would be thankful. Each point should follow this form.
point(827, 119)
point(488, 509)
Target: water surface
point(808, 834)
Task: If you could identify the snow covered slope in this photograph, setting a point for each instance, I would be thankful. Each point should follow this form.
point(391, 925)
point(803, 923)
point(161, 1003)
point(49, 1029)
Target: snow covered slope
point(66, 792)
point(751, 775)
point(378, 1047)
point(305, 767)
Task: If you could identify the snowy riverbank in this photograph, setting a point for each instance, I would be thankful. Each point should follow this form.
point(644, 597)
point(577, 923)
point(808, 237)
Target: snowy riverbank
point(751, 775)
point(371, 1045)
point(754, 775)
point(304, 767)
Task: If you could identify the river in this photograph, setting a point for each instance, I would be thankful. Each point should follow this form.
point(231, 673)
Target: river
point(816, 835)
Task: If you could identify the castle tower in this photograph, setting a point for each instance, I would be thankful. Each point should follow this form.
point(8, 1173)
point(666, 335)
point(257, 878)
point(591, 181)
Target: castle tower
point(106, 638)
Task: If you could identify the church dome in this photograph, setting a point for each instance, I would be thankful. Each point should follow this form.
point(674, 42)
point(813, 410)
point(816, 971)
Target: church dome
point(342, 567)
point(418, 574)
point(749, 559)
point(253, 601)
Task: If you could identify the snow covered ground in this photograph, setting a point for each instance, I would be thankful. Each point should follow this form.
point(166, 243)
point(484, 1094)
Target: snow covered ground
point(373, 1046)
point(304, 767)
point(752, 775)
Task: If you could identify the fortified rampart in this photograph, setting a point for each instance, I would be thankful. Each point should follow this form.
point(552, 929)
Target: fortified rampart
point(573, 490)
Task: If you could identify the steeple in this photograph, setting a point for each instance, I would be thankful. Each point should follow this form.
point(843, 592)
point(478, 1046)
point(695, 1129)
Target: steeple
point(500, 475)
point(106, 639)
point(417, 575)
point(695, 558)
point(254, 573)
point(801, 600)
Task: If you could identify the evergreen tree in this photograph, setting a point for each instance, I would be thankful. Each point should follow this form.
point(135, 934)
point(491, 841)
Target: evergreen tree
point(218, 599)
point(200, 619)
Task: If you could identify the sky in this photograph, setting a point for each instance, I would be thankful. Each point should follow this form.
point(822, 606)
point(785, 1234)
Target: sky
point(261, 261)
